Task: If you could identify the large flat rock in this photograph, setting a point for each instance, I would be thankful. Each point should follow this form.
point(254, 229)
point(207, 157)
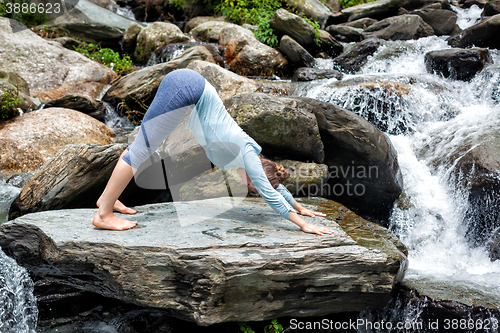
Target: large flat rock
point(214, 262)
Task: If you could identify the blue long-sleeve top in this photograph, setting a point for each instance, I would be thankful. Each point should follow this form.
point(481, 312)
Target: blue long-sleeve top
point(228, 146)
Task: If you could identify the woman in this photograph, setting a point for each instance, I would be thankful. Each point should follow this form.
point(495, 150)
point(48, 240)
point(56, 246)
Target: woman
point(225, 143)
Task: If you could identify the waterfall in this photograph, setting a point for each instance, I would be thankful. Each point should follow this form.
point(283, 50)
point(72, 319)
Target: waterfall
point(430, 121)
point(18, 309)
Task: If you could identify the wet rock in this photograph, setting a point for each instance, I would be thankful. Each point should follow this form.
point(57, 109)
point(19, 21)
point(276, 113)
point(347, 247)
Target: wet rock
point(217, 269)
point(491, 8)
point(306, 179)
point(311, 8)
point(345, 33)
point(483, 34)
point(155, 36)
point(403, 27)
point(16, 87)
point(73, 177)
point(361, 161)
point(286, 23)
point(354, 59)
point(95, 33)
point(416, 4)
point(170, 51)
point(376, 9)
point(75, 102)
point(129, 40)
point(309, 74)
point(328, 44)
point(458, 64)
point(284, 127)
point(442, 21)
point(196, 21)
point(361, 23)
point(209, 31)
point(245, 55)
point(295, 53)
point(107, 4)
point(29, 141)
point(494, 246)
point(50, 70)
point(138, 89)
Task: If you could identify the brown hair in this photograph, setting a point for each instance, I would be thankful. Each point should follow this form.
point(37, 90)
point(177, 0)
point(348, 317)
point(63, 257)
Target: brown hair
point(276, 174)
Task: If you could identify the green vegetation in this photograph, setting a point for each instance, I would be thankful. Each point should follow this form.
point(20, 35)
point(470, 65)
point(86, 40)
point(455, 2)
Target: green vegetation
point(350, 3)
point(106, 57)
point(8, 106)
point(245, 328)
point(316, 27)
point(273, 327)
point(22, 11)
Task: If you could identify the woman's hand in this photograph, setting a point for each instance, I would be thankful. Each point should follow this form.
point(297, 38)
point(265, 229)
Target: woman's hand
point(311, 213)
point(315, 229)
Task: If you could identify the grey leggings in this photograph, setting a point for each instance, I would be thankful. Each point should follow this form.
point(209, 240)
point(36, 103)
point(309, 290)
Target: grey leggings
point(178, 91)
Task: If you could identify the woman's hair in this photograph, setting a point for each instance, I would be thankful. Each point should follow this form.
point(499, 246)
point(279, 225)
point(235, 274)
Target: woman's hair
point(276, 174)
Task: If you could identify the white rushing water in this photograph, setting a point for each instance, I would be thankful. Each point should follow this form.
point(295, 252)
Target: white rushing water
point(430, 126)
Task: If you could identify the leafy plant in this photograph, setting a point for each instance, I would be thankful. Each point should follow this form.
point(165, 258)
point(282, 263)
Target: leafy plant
point(266, 34)
point(8, 106)
point(350, 3)
point(245, 328)
point(107, 57)
point(274, 327)
point(316, 27)
point(27, 17)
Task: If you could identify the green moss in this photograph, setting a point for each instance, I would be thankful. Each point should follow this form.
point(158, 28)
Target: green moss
point(8, 106)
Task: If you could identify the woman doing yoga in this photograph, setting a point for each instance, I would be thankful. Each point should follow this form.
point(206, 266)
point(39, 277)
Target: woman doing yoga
point(226, 144)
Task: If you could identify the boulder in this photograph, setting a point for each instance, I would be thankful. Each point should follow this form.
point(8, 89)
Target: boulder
point(361, 23)
point(282, 126)
point(171, 51)
point(50, 70)
point(379, 9)
point(138, 89)
point(196, 21)
point(247, 264)
point(17, 87)
point(442, 21)
point(363, 165)
point(313, 9)
point(354, 59)
point(309, 74)
point(416, 4)
point(334, 5)
point(129, 40)
point(209, 31)
point(345, 33)
point(403, 27)
point(74, 177)
point(483, 34)
point(155, 36)
point(306, 179)
point(227, 83)
point(295, 53)
point(86, 11)
point(108, 4)
point(29, 141)
point(328, 44)
point(245, 55)
point(67, 42)
point(75, 102)
point(458, 64)
point(286, 23)
point(95, 33)
point(491, 8)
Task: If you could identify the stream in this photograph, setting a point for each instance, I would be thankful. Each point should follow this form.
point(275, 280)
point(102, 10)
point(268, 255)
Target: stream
point(428, 125)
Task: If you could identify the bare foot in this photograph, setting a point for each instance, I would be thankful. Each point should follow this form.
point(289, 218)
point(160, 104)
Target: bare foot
point(112, 222)
point(119, 207)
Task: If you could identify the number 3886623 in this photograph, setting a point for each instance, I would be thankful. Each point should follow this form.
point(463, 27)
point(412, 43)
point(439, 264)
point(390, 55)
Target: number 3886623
point(33, 8)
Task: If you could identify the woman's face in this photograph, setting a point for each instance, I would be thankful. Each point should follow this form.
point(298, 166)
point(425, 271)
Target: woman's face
point(245, 180)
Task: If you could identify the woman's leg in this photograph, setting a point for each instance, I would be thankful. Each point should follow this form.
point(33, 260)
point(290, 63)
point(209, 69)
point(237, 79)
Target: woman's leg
point(104, 218)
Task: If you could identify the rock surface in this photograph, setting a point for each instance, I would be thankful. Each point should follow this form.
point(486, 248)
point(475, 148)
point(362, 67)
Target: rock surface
point(209, 31)
point(442, 21)
point(402, 27)
point(309, 74)
point(29, 141)
point(295, 53)
point(314, 9)
point(16, 87)
point(376, 10)
point(355, 58)
point(345, 33)
point(155, 36)
point(282, 126)
point(50, 70)
point(245, 264)
point(306, 179)
point(286, 23)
